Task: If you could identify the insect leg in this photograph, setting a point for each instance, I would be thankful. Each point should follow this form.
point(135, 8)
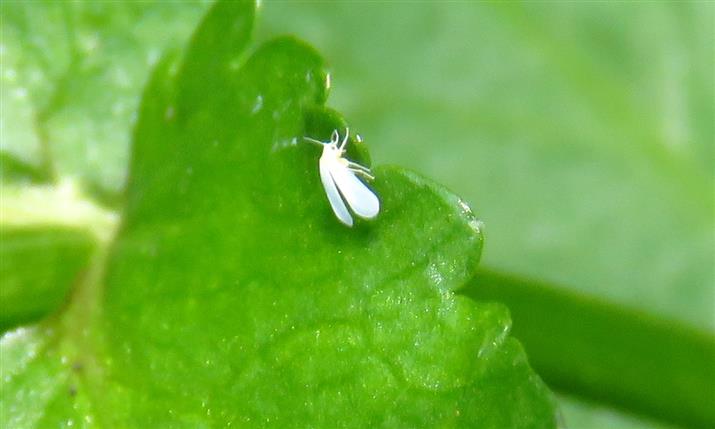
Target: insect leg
point(356, 166)
point(364, 173)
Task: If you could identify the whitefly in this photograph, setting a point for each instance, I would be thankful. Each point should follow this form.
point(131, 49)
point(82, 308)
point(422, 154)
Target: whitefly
point(342, 182)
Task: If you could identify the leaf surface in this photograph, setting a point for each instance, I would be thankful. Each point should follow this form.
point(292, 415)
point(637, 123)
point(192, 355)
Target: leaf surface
point(232, 296)
point(584, 137)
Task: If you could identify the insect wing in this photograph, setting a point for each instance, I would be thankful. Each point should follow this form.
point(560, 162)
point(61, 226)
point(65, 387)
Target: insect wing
point(359, 197)
point(336, 201)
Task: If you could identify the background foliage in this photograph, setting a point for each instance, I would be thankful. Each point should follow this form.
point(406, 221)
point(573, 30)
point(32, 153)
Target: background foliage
point(582, 138)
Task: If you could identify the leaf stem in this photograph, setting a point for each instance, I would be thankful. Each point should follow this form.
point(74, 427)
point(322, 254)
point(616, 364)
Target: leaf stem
point(61, 205)
point(607, 353)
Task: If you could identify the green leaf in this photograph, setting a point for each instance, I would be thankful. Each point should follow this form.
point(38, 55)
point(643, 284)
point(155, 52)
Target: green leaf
point(71, 81)
point(41, 387)
point(231, 294)
point(38, 266)
point(48, 233)
point(13, 170)
point(583, 137)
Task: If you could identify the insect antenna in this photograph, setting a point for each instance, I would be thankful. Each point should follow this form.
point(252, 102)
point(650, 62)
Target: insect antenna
point(312, 140)
point(345, 140)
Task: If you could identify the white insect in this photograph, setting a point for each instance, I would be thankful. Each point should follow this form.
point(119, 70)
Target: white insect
point(341, 182)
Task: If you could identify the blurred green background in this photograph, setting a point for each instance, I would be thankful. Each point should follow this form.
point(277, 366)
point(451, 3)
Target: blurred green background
point(580, 133)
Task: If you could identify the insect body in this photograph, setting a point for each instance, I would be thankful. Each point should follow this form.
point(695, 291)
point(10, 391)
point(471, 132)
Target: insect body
point(341, 182)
